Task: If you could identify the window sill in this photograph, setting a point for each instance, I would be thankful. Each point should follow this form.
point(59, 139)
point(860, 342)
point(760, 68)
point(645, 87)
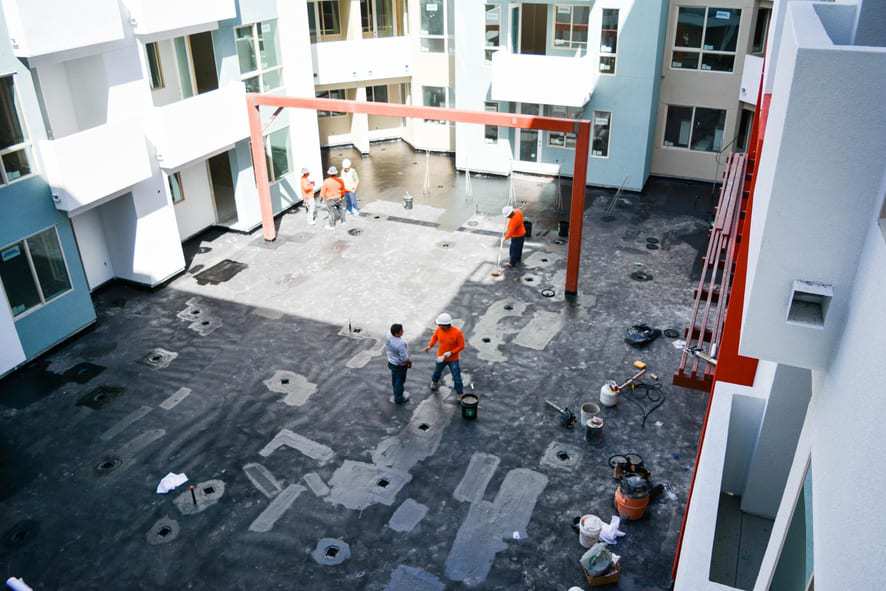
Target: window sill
point(30, 311)
point(681, 149)
point(18, 180)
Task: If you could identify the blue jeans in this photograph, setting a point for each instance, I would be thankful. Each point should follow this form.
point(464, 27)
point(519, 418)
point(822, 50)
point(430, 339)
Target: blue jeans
point(398, 380)
point(516, 250)
point(351, 201)
point(454, 369)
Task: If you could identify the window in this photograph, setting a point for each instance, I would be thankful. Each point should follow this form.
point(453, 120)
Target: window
point(325, 14)
point(490, 132)
point(154, 65)
point(176, 187)
point(258, 51)
point(278, 152)
point(338, 93)
point(433, 25)
point(377, 94)
point(761, 30)
point(434, 96)
point(559, 139)
point(377, 18)
point(696, 128)
point(14, 149)
point(744, 130)
point(33, 271)
point(608, 40)
point(706, 38)
point(600, 134)
point(571, 26)
point(493, 29)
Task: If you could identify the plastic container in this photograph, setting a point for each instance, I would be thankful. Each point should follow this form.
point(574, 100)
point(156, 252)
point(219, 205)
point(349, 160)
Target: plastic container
point(470, 403)
point(589, 530)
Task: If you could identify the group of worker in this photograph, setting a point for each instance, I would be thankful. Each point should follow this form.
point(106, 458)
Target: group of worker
point(338, 193)
point(449, 339)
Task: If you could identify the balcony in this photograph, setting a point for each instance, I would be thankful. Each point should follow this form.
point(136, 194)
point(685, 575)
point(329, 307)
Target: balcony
point(556, 80)
point(42, 27)
point(152, 17)
point(750, 79)
point(340, 62)
point(85, 167)
point(198, 127)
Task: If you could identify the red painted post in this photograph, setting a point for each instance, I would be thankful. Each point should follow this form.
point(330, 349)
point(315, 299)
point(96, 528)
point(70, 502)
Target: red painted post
point(260, 168)
point(577, 209)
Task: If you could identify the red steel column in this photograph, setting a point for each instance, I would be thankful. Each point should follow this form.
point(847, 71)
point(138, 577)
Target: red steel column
point(260, 169)
point(577, 209)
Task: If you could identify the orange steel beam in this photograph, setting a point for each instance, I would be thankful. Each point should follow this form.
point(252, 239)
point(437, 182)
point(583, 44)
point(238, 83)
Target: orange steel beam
point(581, 127)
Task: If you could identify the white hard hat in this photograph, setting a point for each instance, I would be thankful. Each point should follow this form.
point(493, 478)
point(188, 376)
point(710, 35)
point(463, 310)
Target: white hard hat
point(345, 163)
point(444, 319)
point(507, 210)
point(305, 171)
point(332, 170)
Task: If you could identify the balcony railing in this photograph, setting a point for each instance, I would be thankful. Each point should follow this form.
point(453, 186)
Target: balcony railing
point(42, 27)
point(338, 62)
point(150, 17)
point(543, 79)
point(88, 166)
point(200, 126)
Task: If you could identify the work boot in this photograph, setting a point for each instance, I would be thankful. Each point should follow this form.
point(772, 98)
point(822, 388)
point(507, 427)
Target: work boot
point(435, 386)
point(406, 397)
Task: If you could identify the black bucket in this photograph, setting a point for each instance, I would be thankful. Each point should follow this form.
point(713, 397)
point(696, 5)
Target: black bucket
point(528, 226)
point(469, 405)
point(563, 229)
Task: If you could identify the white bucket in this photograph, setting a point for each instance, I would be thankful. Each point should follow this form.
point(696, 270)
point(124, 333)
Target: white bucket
point(589, 527)
point(588, 410)
point(609, 394)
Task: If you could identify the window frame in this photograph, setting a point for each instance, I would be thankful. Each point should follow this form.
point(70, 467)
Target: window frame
point(181, 186)
point(445, 37)
point(152, 48)
point(446, 102)
point(491, 107)
point(370, 90)
point(260, 72)
point(488, 50)
point(571, 44)
point(43, 301)
point(611, 55)
point(269, 155)
point(322, 34)
point(594, 129)
point(689, 147)
point(328, 93)
point(23, 146)
point(700, 51)
point(568, 137)
point(760, 49)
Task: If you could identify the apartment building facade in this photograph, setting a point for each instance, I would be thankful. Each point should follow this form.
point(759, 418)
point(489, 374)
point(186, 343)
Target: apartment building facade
point(712, 59)
point(794, 432)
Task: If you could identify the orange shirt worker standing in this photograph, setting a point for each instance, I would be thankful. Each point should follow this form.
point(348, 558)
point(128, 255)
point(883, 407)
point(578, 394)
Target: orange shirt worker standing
point(307, 194)
point(515, 232)
point(331, 192)
point(450, 341)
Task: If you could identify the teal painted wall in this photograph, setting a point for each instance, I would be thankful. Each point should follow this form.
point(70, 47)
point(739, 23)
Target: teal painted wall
point(27, 209)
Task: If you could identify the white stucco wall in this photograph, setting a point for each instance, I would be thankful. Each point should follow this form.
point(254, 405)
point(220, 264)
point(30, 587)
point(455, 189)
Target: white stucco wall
point(11, 352)
point(94, 253)
point(197, 211)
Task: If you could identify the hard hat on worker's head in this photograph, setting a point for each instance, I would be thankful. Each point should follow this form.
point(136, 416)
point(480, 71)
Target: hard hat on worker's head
point(345, 163)
point(332, 171)
point(444, 319)
point(507, 210)
point(305, 172)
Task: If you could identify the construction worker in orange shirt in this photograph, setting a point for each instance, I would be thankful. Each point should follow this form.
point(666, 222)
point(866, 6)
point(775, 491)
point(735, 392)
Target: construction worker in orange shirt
point(515, 232)
point(332, 193)
point(307, 195)
point(450, 342)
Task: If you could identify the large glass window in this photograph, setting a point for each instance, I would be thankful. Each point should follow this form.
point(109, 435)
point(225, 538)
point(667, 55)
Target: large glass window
point(490, 132)
point(600, 134)
point(152, 50)
point(33, 271)
point(761, 30)
point(697, 128)
point(433, 25)
point(278, 151)
point(571, 26)
point(434, 96)
point(258, 51)
point(323, 20)
point(706, 38)
point(14, 148)
point(338, 93)
point(377, 94)
point(493, 29)
point(559, 139)
point(608, 40)
point(377, 18)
